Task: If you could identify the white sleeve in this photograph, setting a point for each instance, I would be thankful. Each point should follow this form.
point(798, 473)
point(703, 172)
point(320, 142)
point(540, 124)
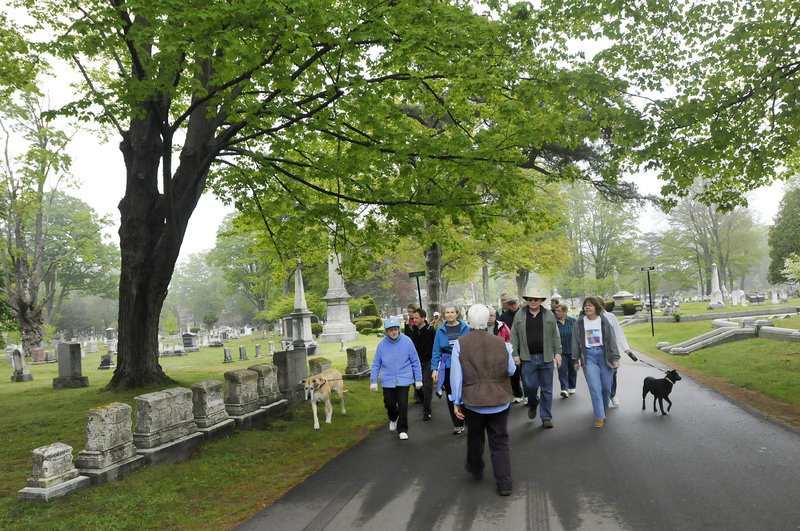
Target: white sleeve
point(621, 339)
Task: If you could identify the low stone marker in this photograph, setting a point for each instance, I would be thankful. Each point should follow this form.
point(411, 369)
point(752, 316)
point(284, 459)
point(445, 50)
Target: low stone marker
point(109, 454)
point(37, 355)
point(50, 356)
point(228, 358)
point(258, 351)
point(241, 392)
point(357, 366)
point(91, 347)
point(165, 427)
point(21, 373)
point(209, 410)
point(54, 475)
point(243, 353)
point(292, 368)
point(318, 365)
point(271, 345)
point(268, 390)
point(69, 367)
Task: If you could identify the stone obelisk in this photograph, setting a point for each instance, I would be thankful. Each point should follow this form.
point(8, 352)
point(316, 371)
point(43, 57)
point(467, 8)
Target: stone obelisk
point(338, 327)
point(301, 317)
point(716, 293)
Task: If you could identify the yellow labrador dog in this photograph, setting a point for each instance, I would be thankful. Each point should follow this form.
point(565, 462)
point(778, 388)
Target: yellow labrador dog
point(318, 389)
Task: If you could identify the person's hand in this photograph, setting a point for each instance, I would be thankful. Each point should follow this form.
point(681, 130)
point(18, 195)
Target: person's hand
point(435, 376)
point(418, 385)
point(578, 366)
point(457, 411)
point(558, 360)
point(516, 361)
point(616, 364)
point(373, 387)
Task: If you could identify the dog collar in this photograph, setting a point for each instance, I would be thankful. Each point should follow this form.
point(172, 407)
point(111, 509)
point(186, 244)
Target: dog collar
point(670, 381)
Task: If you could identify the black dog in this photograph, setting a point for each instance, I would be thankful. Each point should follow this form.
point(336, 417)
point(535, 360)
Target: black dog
point(661, 389)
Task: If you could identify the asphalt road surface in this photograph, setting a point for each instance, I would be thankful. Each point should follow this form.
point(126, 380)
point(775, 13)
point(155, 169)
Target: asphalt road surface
point(709, 464)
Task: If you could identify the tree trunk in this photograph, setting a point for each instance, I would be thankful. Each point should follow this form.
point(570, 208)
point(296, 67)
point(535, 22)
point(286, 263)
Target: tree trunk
point(433, 277)
point(522, 281)
point(485, 278)
point(31, 327)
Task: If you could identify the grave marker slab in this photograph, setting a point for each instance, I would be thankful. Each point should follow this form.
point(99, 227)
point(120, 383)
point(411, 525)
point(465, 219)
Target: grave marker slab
point(69, 367)
point(54, 475)
point(110, 453)
point(165, 427)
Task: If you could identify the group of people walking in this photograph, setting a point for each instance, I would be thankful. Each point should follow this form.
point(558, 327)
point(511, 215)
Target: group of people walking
point(492, 359)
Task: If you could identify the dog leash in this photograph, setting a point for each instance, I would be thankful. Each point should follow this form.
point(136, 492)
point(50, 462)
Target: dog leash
point(634, 358)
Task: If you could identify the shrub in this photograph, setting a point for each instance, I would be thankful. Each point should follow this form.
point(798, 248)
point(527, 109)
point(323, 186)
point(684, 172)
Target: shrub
point(676, 316)
point(628, 308)
point(368, 331)
point(194, 329)
point(316, 328)
point(362, 324)
point(370, 308)
point(370, 321)
point(609, 306)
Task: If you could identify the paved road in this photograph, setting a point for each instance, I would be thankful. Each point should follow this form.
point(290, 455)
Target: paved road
point(710, 464)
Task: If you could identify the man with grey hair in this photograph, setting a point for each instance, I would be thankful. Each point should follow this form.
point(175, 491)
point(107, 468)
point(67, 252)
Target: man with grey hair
point(480, 371)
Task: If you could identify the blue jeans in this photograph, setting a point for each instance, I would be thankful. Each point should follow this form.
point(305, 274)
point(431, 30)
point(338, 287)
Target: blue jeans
point(567, 375)
point(538, 376)
point(598, 378)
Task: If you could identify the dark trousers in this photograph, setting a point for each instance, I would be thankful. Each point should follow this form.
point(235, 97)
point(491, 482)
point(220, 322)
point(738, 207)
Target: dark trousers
point(567, 375)
point(396, 401)
point(495, 426)
point(427, 387)
point(614, 385)
point(456, 421)
point(516, 383)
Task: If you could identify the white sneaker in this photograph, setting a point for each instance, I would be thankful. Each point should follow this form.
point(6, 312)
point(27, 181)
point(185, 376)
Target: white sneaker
point(403, 436)
point(392, 425)
point(517, 399)
point(615, 401)
point(572, 391)
point(525, 400)
point(564, 393)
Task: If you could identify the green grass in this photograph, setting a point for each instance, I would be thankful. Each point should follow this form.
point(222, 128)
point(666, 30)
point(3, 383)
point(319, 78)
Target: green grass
point(768, 366)
point(225, 482)
point(696, 308)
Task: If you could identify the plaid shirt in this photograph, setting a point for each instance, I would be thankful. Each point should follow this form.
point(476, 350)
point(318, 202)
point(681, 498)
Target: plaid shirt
point(565, 331)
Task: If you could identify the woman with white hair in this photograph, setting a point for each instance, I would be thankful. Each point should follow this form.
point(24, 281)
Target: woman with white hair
point(480, 379)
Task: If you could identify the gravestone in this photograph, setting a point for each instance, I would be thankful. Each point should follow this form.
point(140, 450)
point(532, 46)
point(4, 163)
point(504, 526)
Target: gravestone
point(243, 353)
point(774, 299)
point(178, 351)
point(271, 348)
point(110, 453)
point(338, 326)
point(50, 356)
point(54, 475)
point(69, 367)
point(165, 427)
point(209, 409)
point(191, 342)
point(91, 347)
point(227, 352)
point(292, 368)
point(21, 373)
point(717, 302)
point(241, 392)
point(318, 365)
point(357, 366)
point(258, 352)
point(302, 337)
point(268, 390)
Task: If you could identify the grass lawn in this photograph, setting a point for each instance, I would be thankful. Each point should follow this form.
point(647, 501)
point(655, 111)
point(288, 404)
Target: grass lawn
point(227, 480)
point(693, 308)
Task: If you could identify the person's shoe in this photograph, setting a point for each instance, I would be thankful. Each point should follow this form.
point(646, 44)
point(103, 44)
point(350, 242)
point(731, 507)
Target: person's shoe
point(572, 391)
point(458, 430)
point(599, 423)
point(532, 412)
point(525, 400)
point(564, 393)
point(517, 399)
point(392, 425)
point(615, 401)
point(426, 417)
point(403, 436)
point(547, 424)
point(439, 393)
point(503, 491)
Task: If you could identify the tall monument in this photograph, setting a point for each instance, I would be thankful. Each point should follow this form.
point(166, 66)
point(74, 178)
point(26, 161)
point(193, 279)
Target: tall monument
point(301, 317)
point(716, 293)
point(338, 327)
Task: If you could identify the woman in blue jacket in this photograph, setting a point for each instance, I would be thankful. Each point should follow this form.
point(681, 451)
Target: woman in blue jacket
point(397, 362)
point(443, 342)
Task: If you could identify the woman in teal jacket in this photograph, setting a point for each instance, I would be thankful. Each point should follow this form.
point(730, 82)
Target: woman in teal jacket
point(443, 342)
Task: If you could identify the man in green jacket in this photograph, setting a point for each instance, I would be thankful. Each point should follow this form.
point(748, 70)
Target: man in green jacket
point(536, 344)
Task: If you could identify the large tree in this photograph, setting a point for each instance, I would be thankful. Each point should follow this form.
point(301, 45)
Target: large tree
point(720, 82)
point(386, 105)
point(34, 161)
point(783, 235)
